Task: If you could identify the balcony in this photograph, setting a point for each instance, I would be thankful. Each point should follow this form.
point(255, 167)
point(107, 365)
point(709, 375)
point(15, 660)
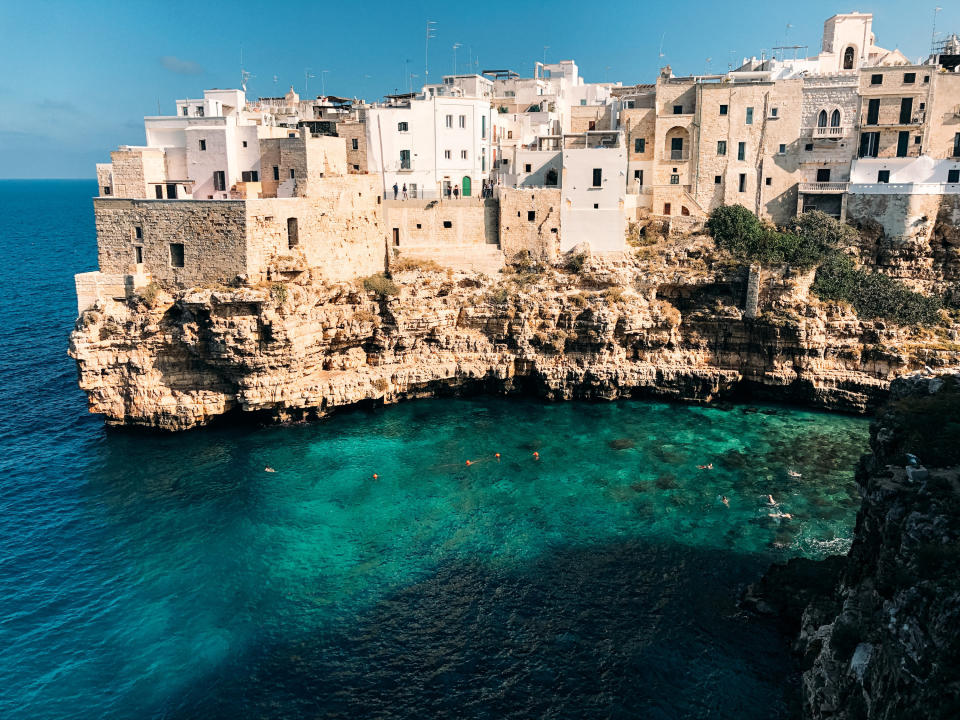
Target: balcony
point(829, 132)
point(915, 119)
point(824, 187)
point(677, 156)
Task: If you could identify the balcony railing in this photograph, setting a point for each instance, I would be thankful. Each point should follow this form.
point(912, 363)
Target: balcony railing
point(915, 119)
point(675, 155)
point(824, 187)
point(830, 132)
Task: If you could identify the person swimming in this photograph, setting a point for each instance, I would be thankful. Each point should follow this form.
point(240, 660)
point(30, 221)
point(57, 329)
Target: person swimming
point(780, 516)
point(705, 467)
point(794, 474)
point(725, 500)
point(770, 500)
point(268, 469)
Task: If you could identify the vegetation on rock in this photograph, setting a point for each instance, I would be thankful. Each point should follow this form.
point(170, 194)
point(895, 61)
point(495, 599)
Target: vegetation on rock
point(381, 286)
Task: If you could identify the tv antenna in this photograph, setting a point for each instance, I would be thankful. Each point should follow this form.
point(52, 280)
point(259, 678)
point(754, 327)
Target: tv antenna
point(455, 46)
point(431, 33)
point(933, 35)
point(306, 79)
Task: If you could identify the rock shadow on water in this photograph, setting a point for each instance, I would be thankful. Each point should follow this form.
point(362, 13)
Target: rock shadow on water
point(622, 444)
point(614, 630)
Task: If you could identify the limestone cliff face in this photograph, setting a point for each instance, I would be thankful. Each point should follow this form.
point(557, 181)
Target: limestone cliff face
point(886, 642)
point(671, 328)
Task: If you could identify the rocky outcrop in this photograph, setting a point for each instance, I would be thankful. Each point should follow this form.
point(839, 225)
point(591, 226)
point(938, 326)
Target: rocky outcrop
point(671, 327)
point(885, 643)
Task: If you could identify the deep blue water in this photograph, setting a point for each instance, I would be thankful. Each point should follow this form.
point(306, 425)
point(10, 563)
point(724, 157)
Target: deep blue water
point(169, 576)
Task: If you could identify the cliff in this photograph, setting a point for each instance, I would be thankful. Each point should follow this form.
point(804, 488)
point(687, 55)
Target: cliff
point(885, 643)
point(665, 321)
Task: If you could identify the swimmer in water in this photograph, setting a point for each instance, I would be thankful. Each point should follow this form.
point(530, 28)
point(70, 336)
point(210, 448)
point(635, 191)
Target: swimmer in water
point(268, 469)
point(770, 500)
point(724, 500)
point(705, 467)
point(781, 516)
point(794, 474)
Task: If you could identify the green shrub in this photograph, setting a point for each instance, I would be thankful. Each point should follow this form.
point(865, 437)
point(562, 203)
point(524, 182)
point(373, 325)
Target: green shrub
point(149, 294)
point(500, 296)
point(814, 237)
point(278, 291)
point(873, 295)
point(380, 285)
point(575, 263)
point(613, 295)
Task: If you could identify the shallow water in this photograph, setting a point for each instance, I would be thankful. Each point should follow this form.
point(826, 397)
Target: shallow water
point(171, 576)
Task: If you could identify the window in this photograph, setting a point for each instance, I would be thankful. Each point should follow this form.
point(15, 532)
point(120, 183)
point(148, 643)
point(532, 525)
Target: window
point(916, 140)
point(876, 79)
point(724, 109)
point(674, 179)
point(848, 58)
point(447, 224)
point(106, 190)
point(596, 206)
point(293, 233)
point(869, 144)
point(592, 125)
point(808, 147)
point(638, 176)
point(749, 116)
point(446, 154)
point(463, 121)
point(171, 191)
point(717, 179)
point(676, 148)
point(158, 191)
point(176, 255)
point(768, 181)
point(483, 159)
point(953, 176)
point(903, 142)
point(597, 177)
point(822, 118)
point(138, 232)
point(355, 143)
point(199, 110)
point(956, 145)
point(276, 172)
point(741, 151)
point(401, 127)
point(203, 145)
point(531, 215)
point(873, 112)
point(404, 159)
point(449, 121)
point(666, 208)
point(721, 147)
point(823, 175)
point(583, 102)
point(835, 118)
point(678, 109)
point(293, 173)
point(463, 154)
point(250, 176)
point(244, 143)
point(782, 149)
point(639, 145)
point(906, 110)
point(138, 255)
point(773, 112)
point(185, 110)
point(926, 78)
point(883, 176)
point(743, 182)
point(356, 167)
point(483, 126)
point(909, 78)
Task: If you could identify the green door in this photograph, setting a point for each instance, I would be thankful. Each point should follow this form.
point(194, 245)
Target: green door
point(465, 186)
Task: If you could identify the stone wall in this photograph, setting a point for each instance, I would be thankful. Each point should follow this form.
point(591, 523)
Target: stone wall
point(306, 160)
point(356, 158)
point(213, 235)
point(128, 177)
point(539, 234)
point(105, 179)
point(340, 232)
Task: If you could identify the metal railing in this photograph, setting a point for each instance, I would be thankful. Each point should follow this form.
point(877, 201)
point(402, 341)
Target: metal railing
point(830, 132)
point(675, 155)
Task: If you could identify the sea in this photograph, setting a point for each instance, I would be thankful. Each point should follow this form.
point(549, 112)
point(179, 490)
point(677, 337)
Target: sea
point(586, 563)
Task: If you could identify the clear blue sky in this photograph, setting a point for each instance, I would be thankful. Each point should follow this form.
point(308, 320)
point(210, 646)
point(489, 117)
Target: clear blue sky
point(79, 76)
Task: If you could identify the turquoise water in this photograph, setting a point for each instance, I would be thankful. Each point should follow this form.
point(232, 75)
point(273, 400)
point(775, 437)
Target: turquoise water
point(172, 576)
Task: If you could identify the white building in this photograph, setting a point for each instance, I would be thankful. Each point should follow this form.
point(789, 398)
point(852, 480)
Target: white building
point(431, 142)
point(593, 194)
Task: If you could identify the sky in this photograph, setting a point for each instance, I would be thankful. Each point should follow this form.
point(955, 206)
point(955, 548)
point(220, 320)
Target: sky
point(78, 77)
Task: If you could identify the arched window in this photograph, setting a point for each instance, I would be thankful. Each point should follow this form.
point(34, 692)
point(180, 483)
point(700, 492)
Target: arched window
point(822, 119)
point(835, 118)
point(848, 58)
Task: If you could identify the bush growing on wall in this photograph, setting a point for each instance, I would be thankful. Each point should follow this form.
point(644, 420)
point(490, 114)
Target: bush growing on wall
point(873, 295)
point(380, 285)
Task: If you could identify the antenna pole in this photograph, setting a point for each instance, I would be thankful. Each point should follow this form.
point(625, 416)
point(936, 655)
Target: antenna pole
point(933, 35)
point(426, 50)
